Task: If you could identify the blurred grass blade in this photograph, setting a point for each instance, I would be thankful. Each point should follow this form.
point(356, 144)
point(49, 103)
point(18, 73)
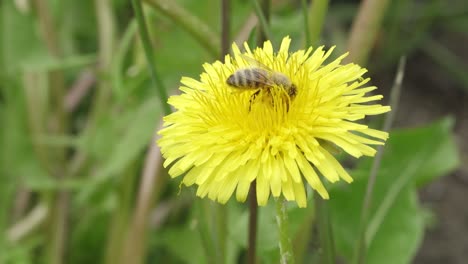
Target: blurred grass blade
point(362, 243)
point(157, 81)
point(118, 74)
point(326, 237)
point(318, 12)
point(36, 216)
point(305, 14)
point(52, 64)
point(263, 21)
point(396, 220)
point(364, 30)
point(194, 26)
point(448, 60)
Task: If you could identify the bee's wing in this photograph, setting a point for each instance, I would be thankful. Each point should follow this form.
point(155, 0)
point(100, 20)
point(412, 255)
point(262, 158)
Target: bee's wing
point(254, 62)
point(261, 73)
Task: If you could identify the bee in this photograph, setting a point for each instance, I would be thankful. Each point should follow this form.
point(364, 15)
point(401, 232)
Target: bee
point(260, 77)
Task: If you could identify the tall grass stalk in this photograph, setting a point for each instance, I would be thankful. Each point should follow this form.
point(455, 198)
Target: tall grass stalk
point(362, 244)
point(262, 12)
point(314, 19)
point(55, 158)
point(364, 30)
point(120, 218)
point(318, 12)
point(157, 81)
point(151, 181)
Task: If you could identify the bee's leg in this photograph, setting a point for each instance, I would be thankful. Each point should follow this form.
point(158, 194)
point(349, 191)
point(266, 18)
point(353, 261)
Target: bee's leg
point(252, 98)
point(291, 95)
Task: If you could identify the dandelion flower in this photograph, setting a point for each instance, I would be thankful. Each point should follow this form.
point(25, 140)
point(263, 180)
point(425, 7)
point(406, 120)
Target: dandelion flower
point(222, 138)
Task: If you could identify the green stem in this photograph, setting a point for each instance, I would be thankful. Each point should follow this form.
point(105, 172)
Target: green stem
point(220, 209)
point(56, 157)
point(325, 231)
point(303, 235)
point(106, 40)
point(263, 17)
point(193, 25)
point(152, 180)
point(305, 13)
point(362, 244)
point(80, 161)
point(364, 30)
point(286, 253)
point(203, 210)
point(150, 55)
point(115, 251)
point(253, 219)
point(221, 234)
point(263, 11)
point(225, 27)
point(318, 11)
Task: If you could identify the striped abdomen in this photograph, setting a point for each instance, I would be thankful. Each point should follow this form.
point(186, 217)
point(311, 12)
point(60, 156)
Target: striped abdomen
point(249, 78)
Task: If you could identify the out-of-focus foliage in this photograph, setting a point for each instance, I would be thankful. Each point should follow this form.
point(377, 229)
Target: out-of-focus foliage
point(396, 225)
point(95, 151)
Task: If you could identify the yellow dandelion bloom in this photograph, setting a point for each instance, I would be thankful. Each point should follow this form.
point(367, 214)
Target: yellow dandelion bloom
point(222, 137)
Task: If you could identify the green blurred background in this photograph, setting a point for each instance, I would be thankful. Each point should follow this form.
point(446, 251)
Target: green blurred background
point(80, 178)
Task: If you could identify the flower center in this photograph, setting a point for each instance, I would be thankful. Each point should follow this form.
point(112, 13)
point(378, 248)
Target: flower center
point(278, 98)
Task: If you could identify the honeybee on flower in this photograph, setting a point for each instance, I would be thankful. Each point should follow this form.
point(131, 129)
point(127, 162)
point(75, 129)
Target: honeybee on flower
point(274, 129)
point(261, 78)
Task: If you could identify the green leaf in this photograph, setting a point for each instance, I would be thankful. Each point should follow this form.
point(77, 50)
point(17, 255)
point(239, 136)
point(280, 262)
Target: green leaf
point(120, 141)
point(396, 222)
point(22, 253)
point(135, 139)
point(400, 221)
point(20, 38)
point(48, 63)
point(402, 232)
point(432, 147)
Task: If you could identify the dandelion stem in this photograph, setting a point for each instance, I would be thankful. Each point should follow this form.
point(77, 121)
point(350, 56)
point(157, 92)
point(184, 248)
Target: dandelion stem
point(325, 231)
point(263, 12)
point(253, 207)
point(150, 55)
point(364, 30)
point(286, 253)
point(362, 244)
point(221, 210)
